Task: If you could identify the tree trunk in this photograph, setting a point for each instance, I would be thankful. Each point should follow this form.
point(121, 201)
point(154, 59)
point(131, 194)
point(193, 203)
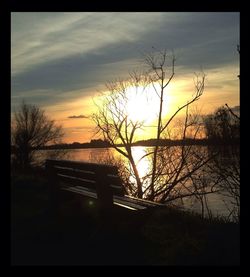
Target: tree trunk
point(137, 177)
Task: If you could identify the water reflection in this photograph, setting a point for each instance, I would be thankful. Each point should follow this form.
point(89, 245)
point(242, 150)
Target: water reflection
point(217, 203)
point(143, 165)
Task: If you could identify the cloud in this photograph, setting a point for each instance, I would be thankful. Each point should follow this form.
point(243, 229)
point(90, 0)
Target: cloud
point(78, 116)
point(57, 58)
point(38, 38)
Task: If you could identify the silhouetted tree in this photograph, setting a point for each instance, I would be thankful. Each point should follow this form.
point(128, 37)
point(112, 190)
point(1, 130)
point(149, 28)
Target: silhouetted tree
point(224, 125)
point(170, 168)
point(30, 130)
point(158, 68)
point(113, 122)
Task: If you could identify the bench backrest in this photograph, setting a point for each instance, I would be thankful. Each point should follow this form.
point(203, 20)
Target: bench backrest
point(95, 180)
point(98, 177)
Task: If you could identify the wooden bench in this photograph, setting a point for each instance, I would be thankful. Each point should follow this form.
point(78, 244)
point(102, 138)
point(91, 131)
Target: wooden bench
point(97, 181)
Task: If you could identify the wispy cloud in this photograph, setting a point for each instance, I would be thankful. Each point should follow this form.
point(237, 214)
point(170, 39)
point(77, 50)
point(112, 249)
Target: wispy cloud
point(41, 37)
point(78, 116)
point(65, 52)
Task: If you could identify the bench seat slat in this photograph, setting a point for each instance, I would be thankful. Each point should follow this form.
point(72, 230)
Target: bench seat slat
point(125, 203)
point(142, 201)
point(81, 191)
point(74, 181)
point(117, 200)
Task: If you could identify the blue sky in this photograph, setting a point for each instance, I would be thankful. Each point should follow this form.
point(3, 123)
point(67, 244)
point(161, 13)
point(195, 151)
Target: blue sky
point(59, 61)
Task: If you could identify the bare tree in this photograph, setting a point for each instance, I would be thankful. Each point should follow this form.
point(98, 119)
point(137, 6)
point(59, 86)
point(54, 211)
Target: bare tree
point(170, 168)
point(179, 167)
point(113, 122)
point(30, 130)
point(158, 73)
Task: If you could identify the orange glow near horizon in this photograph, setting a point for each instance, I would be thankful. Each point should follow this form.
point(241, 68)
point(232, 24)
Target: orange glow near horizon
point(144, 105)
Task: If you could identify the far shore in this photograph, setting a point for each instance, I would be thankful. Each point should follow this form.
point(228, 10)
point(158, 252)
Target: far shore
point(145, 143)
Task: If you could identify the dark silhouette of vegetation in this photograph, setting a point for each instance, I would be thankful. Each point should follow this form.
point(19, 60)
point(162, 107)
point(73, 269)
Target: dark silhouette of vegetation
point(226, 166)
point(99, 143)
point(223, 128)
point(94, 143)
point(223, 125)
point(31, 129)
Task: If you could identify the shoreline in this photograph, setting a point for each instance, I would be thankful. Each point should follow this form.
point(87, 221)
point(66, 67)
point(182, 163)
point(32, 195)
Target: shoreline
point(144, 144)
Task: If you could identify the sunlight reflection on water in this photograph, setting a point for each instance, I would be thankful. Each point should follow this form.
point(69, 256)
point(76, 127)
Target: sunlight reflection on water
point(216, 202)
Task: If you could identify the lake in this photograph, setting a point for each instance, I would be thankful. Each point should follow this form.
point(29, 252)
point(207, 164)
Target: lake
point(218, 204)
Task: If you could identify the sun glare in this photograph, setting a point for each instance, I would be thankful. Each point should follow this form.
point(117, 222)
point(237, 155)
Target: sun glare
point(142, 105)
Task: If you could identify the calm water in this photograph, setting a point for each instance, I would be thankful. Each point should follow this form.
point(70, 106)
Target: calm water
point(217, 203)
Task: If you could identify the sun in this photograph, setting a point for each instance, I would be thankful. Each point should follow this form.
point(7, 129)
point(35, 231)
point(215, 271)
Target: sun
point(142, 105)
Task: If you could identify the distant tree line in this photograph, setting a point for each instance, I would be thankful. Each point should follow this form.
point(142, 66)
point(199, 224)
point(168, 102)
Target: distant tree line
point(94, 143)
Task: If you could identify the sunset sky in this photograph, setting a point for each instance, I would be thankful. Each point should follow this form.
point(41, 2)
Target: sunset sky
point(61, 61)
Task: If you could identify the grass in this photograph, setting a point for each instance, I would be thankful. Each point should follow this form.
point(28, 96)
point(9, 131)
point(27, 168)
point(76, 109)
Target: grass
point(77, 236)
point(186, 239)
